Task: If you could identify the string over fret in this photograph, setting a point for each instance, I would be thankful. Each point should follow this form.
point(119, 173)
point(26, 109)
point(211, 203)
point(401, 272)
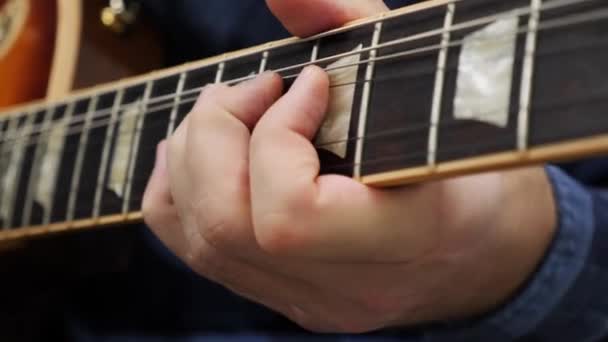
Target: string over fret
point(439, 85)
point(365, 101)
point(527, 76)
point(140, 115)
point(35, 178)
point(82, 147)
point(105, 154)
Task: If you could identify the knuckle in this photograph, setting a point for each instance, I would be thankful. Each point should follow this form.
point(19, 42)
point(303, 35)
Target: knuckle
point(209, 94)
point(221, 229)
point(278, 234)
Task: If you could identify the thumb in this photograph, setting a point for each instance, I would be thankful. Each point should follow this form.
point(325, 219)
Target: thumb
point(307, 17)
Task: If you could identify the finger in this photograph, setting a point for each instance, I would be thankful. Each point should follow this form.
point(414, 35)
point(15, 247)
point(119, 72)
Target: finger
point(157, 205)
point(209, 163)
point(284, 164)
point(307, 17)
point(298, 213)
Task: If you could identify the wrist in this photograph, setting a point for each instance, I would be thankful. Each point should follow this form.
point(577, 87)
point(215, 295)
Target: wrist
point(526, 225)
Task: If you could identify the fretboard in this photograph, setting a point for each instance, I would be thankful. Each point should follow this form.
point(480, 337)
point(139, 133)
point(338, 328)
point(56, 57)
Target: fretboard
point(430, 91)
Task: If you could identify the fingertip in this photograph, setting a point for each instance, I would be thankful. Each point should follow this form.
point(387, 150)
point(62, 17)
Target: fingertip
point(307, 17)
point(312, 77)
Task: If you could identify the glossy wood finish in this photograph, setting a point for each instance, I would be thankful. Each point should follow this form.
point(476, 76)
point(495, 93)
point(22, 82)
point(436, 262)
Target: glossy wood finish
point(24, 70)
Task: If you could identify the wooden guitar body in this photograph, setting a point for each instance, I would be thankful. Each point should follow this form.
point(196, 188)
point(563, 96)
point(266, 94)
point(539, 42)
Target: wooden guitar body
point(49, 48)
point(27, 45)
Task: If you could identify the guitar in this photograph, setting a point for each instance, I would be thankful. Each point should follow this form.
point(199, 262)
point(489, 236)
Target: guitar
point(434, 90)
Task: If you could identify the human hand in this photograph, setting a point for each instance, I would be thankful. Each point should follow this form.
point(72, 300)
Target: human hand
point(236, 193)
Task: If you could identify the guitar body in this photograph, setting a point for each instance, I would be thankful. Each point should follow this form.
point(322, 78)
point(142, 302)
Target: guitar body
point(49, 48)
point(27, 45)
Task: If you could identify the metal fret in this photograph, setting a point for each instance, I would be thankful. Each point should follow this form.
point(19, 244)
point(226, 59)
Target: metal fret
point(11, 178)
point(315, 51)
point(176, 103)
point(527, 74)
point(264, 61)
point(439, 81)
point(40, 150)
point(135, 146)
point(105, 156)
point(220, 72)
point(82, 147)
point(365, 100)
point(57, 138)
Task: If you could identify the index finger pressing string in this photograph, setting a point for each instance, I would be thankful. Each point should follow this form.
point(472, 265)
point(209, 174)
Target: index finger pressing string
point(299, 213)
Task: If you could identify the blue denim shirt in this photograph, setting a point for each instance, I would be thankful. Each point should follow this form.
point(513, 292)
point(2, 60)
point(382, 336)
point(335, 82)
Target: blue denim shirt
point(565, 300)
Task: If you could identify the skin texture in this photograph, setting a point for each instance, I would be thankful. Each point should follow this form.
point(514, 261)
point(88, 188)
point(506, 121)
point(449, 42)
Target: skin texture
point(236, 194)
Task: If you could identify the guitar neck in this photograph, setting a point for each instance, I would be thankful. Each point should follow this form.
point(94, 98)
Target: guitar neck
point(426, 92)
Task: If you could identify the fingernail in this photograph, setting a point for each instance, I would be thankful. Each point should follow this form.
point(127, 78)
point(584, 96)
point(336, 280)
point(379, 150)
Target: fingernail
point(306, 76)
point(259, 78)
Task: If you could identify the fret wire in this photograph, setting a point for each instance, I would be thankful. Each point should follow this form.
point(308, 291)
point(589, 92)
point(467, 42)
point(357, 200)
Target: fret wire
point(439, 82)
point(82, 147)
point(480, 21)
point(176, 103)
point(7, 197)
point(418, 127)
point(383, 58)
point(518, 12)
point(264, 62)
point(35, 174)
point(220, 73)
point(365, 100)
point(17, 159)
point(186, 100)
point(105, 154)
point(135, 148)
point(48, 212)
point(527, 74)
point(193, 98)
point(314, 57)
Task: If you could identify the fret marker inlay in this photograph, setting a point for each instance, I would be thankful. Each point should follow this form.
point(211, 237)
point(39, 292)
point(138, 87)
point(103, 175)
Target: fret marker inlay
point(11, 177)
point(120, 161)
point(50, 163)
point(485, 73)
point(333, 134)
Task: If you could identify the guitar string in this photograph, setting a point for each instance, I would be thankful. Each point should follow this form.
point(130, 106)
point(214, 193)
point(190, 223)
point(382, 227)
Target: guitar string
point(83, 116)
point(378, 136)
point(502, 142)
point(372, 161)
point(555, 23)
point(377, 161)
point(72, 130)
